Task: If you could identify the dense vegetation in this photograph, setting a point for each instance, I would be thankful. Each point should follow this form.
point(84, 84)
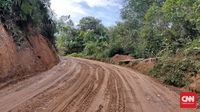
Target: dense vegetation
point(166, 29)
point(20, 16)
point(89, 39)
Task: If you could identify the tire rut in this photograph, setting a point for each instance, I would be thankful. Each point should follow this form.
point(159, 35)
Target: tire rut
point(81, 85)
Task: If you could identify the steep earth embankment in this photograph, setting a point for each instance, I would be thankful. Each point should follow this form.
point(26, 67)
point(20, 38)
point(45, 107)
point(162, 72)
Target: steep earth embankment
point(34, 56)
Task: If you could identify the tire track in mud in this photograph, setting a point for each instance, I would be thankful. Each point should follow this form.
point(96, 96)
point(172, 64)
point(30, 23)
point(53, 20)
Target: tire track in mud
point(100, 101)
point(86, 98)
point(150, 95)
point(71, 93)
point(84, 95)
point(154, 96)
point(49, 94)
point(116, 94)
point(80, 85)
point(19, 97)
point(131, 96)
point(115, 97)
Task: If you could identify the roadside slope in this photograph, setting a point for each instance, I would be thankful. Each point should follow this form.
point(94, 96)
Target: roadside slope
point(80, 85)
point(35, 55)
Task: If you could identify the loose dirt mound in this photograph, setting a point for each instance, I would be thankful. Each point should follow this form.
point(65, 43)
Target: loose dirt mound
point(35, 56)
point(143, 65)
point(120, 58)
point(195, 86)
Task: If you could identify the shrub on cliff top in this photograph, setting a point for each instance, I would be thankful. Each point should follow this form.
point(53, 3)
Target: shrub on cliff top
point(20, 16)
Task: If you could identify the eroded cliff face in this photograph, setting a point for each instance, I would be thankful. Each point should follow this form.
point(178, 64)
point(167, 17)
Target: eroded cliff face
point(35, 56)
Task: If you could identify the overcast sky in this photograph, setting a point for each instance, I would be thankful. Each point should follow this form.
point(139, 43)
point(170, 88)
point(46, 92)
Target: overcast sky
point(105, 10)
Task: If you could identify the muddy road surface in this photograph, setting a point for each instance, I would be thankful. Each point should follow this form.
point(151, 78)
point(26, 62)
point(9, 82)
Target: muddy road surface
point(80, 85)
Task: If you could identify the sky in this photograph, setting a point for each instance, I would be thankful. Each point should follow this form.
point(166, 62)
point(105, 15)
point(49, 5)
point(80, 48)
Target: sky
point(106, 10)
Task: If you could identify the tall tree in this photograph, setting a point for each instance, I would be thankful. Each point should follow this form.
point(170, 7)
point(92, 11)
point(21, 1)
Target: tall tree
point(91, 23)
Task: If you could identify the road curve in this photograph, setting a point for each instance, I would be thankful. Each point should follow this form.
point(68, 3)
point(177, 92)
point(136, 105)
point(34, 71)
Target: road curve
point(80, 85)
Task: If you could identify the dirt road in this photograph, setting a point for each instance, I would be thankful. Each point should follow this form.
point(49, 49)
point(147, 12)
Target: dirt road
point(79, 85)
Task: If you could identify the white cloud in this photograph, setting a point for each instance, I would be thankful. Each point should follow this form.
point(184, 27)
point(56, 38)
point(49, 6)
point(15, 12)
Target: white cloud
point(67, 7)
point(99, 3)
point(77, 11)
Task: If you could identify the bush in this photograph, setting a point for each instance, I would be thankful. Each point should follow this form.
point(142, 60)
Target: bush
point(175, 72)
point(96, 49)
point(76, 55)
point(193, 48)
point(20, 17)
point(115, 50)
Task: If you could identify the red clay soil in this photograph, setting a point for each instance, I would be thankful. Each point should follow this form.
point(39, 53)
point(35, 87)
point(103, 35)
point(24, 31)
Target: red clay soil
point(34, 56)
point(118, 58)
point(196, 83)
point(145, 65)
point(81, 85)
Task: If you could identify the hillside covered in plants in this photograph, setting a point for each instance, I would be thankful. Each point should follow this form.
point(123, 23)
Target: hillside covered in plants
point(26, 38)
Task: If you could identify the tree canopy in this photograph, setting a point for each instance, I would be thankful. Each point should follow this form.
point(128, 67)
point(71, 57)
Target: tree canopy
point(18, 16)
